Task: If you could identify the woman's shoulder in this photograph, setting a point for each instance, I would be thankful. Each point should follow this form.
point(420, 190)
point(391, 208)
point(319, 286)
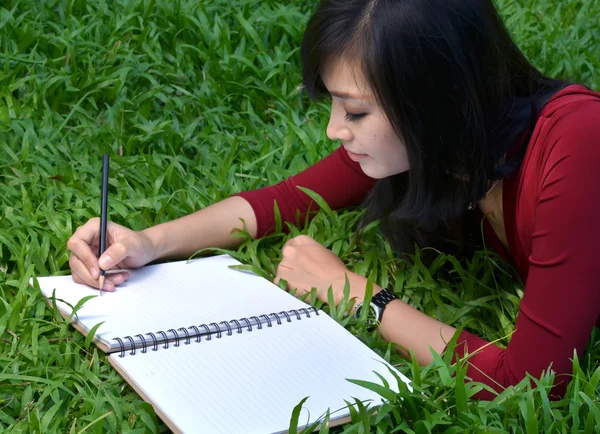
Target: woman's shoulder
point(573, 102)
point(569, 123)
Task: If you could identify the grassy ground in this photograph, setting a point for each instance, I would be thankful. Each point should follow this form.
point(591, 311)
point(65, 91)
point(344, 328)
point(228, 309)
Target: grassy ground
point(196, 101)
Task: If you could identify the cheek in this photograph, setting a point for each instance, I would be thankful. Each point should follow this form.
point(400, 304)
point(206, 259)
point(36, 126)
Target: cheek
point(382, 143)
point(395, 154)
point(403, 163)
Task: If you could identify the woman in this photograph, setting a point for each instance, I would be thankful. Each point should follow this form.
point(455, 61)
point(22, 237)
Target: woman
point(443, 122)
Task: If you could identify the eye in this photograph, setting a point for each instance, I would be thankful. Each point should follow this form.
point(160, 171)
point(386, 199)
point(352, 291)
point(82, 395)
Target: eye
point(353, 117)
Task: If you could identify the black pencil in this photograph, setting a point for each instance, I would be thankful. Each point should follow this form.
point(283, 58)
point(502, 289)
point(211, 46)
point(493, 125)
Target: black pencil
point(103, 213)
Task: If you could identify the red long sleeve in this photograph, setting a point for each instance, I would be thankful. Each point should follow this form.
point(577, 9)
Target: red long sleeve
point(552, 212)
point(336, 178)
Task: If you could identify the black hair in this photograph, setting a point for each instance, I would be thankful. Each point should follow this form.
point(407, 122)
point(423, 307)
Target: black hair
point(454, 86)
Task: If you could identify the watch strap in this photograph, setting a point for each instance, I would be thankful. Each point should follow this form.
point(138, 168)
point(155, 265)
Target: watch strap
point(382, 298)
point(379, 302)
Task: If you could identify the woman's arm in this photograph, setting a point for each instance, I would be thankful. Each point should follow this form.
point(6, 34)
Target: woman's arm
point(561, 301)
point(212, 226)
point(306, 264)
point(339, 180)
point(406, 327)
point(336, 178)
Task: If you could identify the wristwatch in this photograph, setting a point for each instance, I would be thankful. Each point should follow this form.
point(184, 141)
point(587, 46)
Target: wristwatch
point(378, 303)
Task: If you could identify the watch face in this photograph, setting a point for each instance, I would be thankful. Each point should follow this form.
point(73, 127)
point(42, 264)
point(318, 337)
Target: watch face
point(376, 311)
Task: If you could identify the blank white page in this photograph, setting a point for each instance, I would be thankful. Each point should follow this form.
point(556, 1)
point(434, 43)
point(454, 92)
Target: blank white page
point(250, 382)
point(170, 296)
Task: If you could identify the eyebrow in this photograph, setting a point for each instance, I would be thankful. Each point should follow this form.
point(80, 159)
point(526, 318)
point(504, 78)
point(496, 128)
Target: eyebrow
point(344, 95)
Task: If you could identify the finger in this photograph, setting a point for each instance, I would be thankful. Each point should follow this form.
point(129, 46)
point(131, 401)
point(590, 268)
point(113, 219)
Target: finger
point(282, 283)
point(304, 239)
point(294, 241)
point(90, 231)
point(113, 280)
point(277, 277)
point(83, 252)
point(300, 293)
point(117, 278)
point(79, 245)
point(81, 274)
point(283, 273)
point(280, 276)
point(283, 266)
point(288, 251)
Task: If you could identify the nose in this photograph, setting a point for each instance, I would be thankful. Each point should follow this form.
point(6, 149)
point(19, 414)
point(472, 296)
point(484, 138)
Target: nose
point(337, 128)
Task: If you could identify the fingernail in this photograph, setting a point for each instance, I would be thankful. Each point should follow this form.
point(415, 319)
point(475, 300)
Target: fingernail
point(105, 262)
point(95, 274)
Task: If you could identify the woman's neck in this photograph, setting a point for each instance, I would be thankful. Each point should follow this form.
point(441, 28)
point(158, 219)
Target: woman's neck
point(492, 209)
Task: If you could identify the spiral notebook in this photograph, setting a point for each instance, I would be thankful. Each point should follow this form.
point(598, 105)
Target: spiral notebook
point(219, 350)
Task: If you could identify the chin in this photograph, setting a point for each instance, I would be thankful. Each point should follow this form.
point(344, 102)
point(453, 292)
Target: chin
point(379, 172)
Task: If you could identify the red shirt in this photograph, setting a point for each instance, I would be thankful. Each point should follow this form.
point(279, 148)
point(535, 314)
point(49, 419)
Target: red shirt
point(551, 214)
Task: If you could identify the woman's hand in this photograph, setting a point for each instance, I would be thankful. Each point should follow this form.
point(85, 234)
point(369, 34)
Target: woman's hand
point(125, 248)
point(306, 264)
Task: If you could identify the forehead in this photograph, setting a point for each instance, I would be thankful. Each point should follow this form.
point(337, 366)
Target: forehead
point(344, 78)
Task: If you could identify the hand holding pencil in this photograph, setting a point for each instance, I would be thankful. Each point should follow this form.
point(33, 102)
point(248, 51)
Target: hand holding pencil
point(100, 245)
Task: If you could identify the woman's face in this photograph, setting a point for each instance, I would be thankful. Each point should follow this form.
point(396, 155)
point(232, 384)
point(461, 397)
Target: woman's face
point(361, 125)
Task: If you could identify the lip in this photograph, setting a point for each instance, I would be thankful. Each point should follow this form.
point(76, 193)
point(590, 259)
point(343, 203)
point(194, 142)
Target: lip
point(356, 157)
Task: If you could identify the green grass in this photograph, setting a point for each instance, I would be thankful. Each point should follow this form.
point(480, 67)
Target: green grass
point(196, 101)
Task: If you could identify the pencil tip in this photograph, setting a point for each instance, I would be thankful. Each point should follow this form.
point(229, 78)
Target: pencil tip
point(101, 284)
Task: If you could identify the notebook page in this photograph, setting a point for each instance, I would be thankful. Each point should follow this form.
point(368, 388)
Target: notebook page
point(250, 382)
point(172, 295)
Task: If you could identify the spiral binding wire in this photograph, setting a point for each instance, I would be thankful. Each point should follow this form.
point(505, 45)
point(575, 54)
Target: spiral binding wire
point(217, 329)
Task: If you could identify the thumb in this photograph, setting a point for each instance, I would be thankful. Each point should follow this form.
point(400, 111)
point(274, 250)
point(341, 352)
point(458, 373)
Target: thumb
point(113, 255)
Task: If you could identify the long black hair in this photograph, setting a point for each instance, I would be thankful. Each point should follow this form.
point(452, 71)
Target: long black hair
point(454, 86)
